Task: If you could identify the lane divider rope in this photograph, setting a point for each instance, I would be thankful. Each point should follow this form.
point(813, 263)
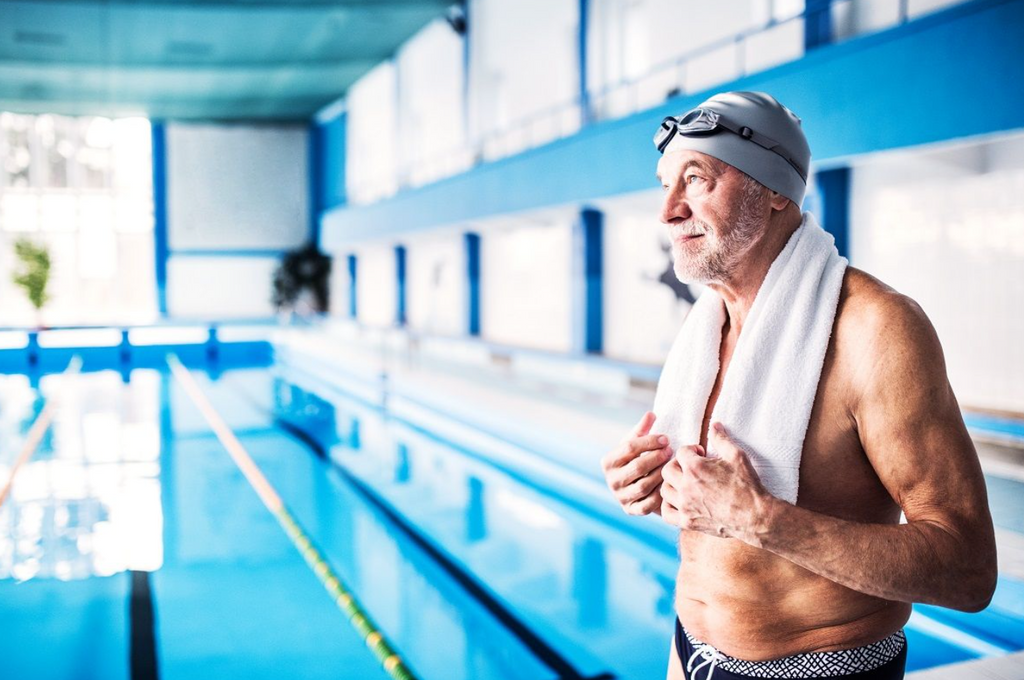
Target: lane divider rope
point(340, 593)
point(36, 432)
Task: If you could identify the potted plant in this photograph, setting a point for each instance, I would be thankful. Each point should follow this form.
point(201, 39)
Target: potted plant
point(301, 281)
point(34, 273)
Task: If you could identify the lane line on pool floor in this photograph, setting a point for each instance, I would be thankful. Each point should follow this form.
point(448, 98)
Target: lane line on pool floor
point(36, 432)
point(544, 652)
point(342, 596)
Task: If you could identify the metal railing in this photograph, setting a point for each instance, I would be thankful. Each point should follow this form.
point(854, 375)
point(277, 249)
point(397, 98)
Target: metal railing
point(723, 60)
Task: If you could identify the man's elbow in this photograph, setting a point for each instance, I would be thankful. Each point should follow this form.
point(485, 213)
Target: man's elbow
point(976, 587)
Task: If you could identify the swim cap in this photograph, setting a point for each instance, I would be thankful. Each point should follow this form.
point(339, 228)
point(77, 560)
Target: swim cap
point(752, 132)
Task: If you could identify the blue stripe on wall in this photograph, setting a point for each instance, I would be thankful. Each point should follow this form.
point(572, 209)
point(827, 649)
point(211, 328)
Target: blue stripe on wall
point(472, 246)
point(584, 93)
point(834, 196)
point(817, 23)
point(589, 267)
point(315, 167)
point(327, 168)
point(400, 285)
point(352, 282)
point(901, 87)
point(160, 245)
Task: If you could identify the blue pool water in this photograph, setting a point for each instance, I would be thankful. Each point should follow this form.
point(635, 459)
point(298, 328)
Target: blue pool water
point(471, 568)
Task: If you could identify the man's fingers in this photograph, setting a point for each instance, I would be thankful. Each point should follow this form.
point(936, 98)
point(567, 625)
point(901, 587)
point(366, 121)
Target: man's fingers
point(644, 506)
point(642, 487)
point(724, 444)
point(669, 512)
point(695, 449)
point(672, 472)
point(642, 464)
point(644, 426)
point(633, 448)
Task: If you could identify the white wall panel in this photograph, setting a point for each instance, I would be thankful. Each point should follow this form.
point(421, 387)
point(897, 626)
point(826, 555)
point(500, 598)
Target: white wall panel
point(371, 144)
point(237, 186)
point(633, 47)
point(436, 285)
point(220, 287)
point(524, 63)
point(431, 85)
point(526, 286)
point(376, 286)
point(947, 229)
point(641, 314)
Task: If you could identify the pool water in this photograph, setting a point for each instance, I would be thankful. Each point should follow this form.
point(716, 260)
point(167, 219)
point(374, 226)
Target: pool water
point(470, 564)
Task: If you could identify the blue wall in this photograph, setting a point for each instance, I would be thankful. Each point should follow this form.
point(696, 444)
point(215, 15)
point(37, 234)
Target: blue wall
point(327, 140)
point(160, 238)
point(941, 77)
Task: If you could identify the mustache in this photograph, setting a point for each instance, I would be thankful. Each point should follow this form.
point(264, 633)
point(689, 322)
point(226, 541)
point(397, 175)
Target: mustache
point(690, 227)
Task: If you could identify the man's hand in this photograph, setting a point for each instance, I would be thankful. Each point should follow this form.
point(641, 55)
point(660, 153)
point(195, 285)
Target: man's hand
point(633, 468)
point(716, 496)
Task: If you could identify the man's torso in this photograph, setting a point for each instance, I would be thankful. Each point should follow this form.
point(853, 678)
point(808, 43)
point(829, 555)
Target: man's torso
point(754, 605)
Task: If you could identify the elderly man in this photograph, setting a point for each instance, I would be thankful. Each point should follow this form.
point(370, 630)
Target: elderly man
point(788, 493)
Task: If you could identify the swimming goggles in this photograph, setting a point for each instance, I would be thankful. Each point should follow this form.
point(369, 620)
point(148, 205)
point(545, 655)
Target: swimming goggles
point(700, 122)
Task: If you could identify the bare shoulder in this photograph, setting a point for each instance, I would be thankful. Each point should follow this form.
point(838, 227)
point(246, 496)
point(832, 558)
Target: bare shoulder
point(864, 299)
point(875, 316)
point(884, 335)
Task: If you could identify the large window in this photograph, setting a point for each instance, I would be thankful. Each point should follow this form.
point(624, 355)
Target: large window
point(82, 186)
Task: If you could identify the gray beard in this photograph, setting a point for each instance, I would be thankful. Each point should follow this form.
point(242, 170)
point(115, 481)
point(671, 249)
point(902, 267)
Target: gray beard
point(719, 257)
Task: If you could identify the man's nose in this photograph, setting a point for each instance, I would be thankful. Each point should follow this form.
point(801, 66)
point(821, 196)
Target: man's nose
point(675, 208)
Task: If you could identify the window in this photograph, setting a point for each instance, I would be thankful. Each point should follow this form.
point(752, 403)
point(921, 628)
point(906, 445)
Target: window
point(83, 187)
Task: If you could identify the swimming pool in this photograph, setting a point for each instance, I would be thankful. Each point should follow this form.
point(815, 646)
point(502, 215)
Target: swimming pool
point(474, 560)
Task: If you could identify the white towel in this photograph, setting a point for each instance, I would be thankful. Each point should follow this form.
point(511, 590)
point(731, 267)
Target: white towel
point(766, 399)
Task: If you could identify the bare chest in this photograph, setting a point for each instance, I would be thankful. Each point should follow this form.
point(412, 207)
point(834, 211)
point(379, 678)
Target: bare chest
point(836, 476)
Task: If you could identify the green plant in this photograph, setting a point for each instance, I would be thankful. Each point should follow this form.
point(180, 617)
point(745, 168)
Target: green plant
point(35, 271)
point(302, 269)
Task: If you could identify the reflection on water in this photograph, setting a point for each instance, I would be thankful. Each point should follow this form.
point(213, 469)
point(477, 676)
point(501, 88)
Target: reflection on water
point(599, 595)
point(88, 501)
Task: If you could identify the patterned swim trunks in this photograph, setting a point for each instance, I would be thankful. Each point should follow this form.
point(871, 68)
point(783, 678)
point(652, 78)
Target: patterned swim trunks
point(882, 660)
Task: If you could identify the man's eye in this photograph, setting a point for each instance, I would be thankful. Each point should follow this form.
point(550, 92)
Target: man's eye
point(664, 187)
point(693, 179)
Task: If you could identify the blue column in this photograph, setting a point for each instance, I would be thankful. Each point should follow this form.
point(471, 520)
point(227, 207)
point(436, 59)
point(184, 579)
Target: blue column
point(314, 178)
point(352, 286)
point(472, 245)
point(400, 285)
point(124, 352)
point(833, 188)
point(588, 272)
point(326, 169)
point(584, 14)
point(817, 23)
point(160, 246)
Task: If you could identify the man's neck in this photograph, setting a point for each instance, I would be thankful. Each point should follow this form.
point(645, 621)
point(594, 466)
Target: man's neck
point(740, 289)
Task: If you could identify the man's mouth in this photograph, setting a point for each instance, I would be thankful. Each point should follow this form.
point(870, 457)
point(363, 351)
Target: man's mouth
point(688, 237)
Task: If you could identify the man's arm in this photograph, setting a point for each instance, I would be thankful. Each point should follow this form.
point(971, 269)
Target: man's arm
point(913, 434)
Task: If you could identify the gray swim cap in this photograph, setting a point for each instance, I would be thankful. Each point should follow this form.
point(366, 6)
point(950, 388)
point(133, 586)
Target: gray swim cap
point(750, 131)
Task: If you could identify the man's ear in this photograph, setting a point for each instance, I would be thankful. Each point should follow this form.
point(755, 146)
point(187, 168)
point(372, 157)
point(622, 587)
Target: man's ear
point(778, 201)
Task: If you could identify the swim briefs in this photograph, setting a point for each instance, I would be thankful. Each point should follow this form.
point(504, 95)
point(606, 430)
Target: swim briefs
point(882, 660)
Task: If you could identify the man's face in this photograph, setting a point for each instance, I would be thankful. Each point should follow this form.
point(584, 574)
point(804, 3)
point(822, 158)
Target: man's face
point(714, 213)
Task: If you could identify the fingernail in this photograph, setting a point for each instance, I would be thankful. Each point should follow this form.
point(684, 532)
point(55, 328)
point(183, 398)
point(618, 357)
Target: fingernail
point(663, 440)
point(718, 428)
